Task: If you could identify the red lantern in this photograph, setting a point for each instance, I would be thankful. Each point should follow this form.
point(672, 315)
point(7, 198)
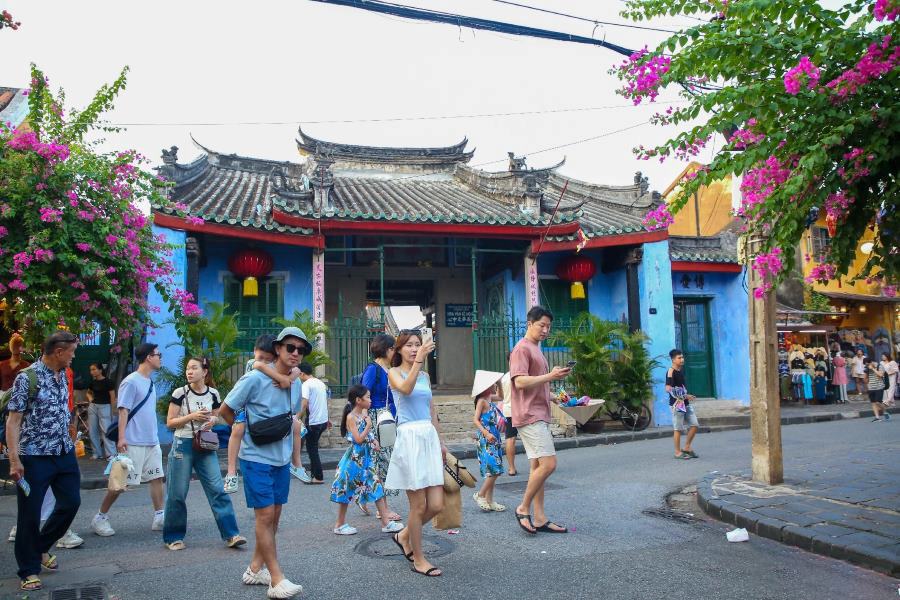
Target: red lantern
point(250, 264)
point(831, 224)
point(576, 269)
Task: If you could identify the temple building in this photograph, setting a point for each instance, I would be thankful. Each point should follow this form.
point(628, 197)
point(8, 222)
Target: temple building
point(350, 230)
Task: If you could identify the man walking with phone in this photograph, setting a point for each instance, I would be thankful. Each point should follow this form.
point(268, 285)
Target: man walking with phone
point(138, 438)
point(42, 457)
point(265, 455)
point(530, 395)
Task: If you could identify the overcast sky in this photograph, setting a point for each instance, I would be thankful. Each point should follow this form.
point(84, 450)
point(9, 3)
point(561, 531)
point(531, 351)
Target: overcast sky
point(300, 61)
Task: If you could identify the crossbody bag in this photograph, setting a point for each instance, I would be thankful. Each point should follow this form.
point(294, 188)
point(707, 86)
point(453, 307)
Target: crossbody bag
point(271, 429)
point(385, 424)
point(112, 432)
point(204, 440)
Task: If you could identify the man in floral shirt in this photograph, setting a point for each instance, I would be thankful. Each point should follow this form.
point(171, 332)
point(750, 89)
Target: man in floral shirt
point(42, 453)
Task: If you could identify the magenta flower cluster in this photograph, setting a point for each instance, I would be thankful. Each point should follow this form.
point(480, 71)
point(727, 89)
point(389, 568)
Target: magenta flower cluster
point(52, 152)
point(878, 60)
point(760, 182)
point(658, 218)
point(822, 273)
point(804, 72)
point(768, 265)
point(886, 9)
point(643, 75)
point(185, 300)
point(837, 205)
point(746, 137)
point(889, 291)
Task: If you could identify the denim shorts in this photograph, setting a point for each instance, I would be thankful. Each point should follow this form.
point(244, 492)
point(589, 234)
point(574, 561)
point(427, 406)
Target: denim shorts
point(240, 417)
point(684, 420)
point(265, 485)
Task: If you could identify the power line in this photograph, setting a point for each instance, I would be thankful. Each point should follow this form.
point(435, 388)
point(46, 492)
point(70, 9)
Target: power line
point(384, 119)
point(584, 19)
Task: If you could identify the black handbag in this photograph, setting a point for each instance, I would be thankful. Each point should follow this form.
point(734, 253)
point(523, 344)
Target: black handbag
point(272, 429)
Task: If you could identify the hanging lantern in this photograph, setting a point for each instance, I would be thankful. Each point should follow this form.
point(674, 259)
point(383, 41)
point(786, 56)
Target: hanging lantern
point(250, 264)
point(831, 224)
point(576, 269)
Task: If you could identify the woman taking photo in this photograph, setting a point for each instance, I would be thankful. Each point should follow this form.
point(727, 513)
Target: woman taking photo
point(375, 378)
point(417, 460)
point(194, 408)
point(102, 393)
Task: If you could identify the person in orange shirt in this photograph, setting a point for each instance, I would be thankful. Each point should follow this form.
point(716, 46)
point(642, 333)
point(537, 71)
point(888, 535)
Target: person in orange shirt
point(10, 368)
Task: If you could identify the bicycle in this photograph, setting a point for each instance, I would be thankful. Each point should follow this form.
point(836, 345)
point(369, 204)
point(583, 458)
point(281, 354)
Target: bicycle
point(632, 418)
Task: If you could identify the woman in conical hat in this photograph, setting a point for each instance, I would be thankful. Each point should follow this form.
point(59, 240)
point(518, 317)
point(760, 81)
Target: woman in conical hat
point(490, 424)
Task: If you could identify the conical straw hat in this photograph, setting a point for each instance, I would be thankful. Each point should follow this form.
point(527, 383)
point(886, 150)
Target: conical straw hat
point(484, 380)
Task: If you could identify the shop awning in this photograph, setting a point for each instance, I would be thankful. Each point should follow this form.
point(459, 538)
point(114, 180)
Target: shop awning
point(860, 297)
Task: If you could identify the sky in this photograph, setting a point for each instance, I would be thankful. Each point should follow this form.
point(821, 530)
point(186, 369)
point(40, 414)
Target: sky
point(198, 62)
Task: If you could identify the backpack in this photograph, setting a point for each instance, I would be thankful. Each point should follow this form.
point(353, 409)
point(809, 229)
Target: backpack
point(357, 379)
point(6, 396)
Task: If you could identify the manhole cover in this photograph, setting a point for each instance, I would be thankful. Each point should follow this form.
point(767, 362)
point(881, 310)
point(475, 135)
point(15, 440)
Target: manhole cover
point(671, 514)
point(88, 592)
point(519, 486)
point(384, 547)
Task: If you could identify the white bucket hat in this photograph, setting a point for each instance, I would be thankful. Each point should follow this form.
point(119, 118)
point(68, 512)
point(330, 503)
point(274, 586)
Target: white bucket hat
point(484, 380)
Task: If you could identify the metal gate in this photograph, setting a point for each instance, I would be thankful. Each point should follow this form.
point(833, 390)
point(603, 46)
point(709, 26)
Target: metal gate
point(347, 344)
point(496, 335)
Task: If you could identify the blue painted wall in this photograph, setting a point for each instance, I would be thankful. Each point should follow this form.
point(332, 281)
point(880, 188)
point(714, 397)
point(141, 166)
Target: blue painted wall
point(655, 284)
point(730, 329)
point(164, 335)
point(293, 261)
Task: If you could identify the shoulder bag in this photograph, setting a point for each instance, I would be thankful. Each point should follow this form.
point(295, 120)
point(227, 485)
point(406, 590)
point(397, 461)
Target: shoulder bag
point(112, 432)
point(272, 429)
point(204, 440)
point(385, 424)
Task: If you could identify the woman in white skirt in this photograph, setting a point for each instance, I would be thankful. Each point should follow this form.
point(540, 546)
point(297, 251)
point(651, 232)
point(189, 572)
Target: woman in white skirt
point(417, 464)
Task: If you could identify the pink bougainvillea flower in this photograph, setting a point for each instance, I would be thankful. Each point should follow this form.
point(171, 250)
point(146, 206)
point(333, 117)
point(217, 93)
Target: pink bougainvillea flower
point(805, 71)
point(886, 10)
point(658, 218)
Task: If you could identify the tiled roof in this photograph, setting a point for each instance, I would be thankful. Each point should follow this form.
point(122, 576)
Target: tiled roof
point(241, 191)
point(310, 146)
point(718, 249)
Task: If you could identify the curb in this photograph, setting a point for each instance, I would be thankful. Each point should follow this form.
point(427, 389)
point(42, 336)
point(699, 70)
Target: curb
point(792, 534)
point(587, 440)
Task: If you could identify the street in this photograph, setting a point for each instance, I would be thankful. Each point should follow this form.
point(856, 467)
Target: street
point(600, 492)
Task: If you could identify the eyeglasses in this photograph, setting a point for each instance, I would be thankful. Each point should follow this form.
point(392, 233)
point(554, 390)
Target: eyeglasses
point(159, 354)
point(291, 348)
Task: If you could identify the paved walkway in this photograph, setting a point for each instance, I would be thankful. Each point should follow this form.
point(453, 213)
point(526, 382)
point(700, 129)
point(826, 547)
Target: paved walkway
point(847, 508)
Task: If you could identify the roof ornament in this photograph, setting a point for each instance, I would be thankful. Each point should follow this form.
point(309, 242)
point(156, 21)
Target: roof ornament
point(322, 182)
point(516, 165)
point(533, 194)
point(170, 156)
point(642, 181)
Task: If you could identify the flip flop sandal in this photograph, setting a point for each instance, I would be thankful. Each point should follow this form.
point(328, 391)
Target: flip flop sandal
point(546, 528)
point(51, 564)
point(363, 509)
point(682, 456)
point(31, 584)
point(690, 453)
point(179, 545)
point(429, 573)
point(520, 518)
point(396, 538)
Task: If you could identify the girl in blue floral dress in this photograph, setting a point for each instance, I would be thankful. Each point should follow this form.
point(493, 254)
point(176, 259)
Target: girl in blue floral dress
point(490, 424)
point(357, 476)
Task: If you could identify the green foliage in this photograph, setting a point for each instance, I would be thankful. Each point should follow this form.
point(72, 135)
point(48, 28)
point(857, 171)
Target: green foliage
point(815, 302)
point(318, 357)
point(214, 336)
point(730, 65)
point(612, 363)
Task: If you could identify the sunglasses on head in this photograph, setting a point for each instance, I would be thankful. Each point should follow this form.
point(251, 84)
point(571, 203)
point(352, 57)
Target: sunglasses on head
point(411, 332)
point(291, 348)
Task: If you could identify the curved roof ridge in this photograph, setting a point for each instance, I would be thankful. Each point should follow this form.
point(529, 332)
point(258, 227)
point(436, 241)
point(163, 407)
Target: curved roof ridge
point(438, 155)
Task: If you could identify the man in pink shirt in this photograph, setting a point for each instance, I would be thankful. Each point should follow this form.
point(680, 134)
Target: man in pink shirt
point(530, 395)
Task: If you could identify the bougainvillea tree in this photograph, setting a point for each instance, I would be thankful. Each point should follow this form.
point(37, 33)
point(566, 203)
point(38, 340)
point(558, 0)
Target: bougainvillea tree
point(806, 99)
point(75, 248)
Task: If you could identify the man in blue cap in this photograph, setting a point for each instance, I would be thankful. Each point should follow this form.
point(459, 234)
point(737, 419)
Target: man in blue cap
point(265, 454)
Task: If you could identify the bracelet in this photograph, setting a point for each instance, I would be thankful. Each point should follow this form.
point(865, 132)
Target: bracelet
point(419, 362)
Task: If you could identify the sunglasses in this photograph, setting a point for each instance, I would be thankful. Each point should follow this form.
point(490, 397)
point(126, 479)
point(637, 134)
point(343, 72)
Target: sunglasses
point(411, 332)
point(291, 349)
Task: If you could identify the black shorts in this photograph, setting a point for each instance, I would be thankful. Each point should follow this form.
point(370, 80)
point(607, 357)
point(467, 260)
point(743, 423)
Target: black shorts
point(511, 431)
point(876, 396)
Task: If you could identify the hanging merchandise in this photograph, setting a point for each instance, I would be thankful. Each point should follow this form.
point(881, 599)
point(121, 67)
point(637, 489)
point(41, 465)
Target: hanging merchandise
point(576, 269)
point(250, 264)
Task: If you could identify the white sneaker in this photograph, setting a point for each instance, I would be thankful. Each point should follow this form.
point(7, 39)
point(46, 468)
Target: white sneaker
point(12, 534)
point(261, 577)
point(284, 589)
point(158, 519)
point(101, 526)
point(70, 540)
point(302, 474)
point(345, 529)
point(392, 527)
point(231, 484)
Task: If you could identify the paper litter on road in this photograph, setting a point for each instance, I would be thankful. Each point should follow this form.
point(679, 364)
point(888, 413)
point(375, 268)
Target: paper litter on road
point(738, 535)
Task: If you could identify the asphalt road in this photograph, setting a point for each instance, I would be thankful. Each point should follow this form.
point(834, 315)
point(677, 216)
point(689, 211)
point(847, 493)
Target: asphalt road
point(614, 550)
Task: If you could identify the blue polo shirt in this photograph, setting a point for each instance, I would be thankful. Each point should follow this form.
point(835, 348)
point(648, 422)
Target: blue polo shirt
point(255, 393)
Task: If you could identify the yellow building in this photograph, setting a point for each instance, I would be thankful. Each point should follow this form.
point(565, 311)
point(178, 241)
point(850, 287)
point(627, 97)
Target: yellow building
point(706, 213)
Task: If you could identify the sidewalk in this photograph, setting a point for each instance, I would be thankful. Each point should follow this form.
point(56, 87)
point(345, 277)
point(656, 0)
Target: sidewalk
point(849, 510)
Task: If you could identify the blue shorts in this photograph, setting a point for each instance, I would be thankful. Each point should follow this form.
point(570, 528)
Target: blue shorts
point(265, 485)
point(240, 417)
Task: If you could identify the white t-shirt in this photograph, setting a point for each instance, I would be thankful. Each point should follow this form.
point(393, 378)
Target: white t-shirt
point(315, 393)
point(506, 388)
point(859, 366)
point(142, 428)
point(209, 400)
